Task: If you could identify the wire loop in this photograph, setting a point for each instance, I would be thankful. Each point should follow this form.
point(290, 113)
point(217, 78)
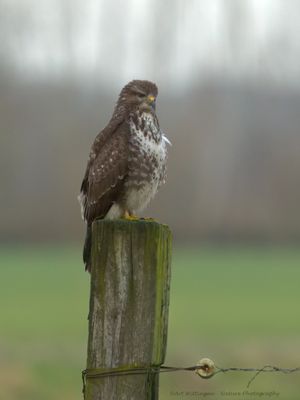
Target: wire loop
point(205, 369)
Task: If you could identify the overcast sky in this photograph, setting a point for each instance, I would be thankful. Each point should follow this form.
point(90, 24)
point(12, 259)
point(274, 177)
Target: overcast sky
point(174, 39)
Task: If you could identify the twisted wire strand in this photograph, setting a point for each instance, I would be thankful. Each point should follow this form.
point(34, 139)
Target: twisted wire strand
point(206, 373)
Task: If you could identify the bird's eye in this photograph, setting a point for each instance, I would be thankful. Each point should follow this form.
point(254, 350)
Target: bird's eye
point(140, 95)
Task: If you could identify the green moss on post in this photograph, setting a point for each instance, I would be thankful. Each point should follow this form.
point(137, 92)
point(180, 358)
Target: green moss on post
point(129, 300)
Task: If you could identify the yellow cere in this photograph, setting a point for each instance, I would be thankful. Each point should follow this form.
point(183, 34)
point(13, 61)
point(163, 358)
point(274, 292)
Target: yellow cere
point(151, 98)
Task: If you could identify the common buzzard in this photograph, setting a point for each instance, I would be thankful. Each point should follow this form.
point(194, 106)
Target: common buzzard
point(127, 161)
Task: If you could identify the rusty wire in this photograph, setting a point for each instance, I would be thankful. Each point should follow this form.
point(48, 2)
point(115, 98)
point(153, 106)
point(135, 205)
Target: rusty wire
point(205, 368)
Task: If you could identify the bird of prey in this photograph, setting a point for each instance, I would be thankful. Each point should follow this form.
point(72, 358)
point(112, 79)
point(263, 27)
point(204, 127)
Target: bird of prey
point(127, 161)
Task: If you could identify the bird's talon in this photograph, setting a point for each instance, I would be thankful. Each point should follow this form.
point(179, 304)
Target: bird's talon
point(130, 217)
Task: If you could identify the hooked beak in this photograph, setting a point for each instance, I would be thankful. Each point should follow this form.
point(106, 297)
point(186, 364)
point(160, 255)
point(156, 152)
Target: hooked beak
point(151, 100)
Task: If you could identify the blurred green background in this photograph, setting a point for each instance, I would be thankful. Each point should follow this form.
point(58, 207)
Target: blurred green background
point(236, 305)
point(229, 100)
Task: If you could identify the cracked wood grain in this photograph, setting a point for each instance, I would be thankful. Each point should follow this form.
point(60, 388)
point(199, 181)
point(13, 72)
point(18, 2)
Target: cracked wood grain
point(129, 301)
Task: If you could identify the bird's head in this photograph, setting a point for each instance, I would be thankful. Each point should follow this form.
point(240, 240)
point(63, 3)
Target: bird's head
point(140, 95)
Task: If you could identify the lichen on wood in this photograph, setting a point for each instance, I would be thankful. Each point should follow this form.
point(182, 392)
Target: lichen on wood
point(128, 318)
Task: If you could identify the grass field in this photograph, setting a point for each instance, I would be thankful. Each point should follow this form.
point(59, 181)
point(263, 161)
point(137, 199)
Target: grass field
point(236, 305)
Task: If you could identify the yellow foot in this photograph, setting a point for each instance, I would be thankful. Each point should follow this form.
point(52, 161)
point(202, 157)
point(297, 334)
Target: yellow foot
point(130, 217)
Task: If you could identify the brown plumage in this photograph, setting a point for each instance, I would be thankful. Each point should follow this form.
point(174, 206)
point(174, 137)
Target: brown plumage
point(127, 160)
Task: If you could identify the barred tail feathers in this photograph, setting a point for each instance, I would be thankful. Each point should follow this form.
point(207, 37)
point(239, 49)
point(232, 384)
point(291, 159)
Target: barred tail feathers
point(87, 249)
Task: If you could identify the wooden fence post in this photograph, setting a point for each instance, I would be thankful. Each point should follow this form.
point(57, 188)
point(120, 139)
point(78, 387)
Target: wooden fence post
point(129, 301)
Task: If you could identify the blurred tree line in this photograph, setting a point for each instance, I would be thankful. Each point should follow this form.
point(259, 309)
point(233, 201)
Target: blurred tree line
point(229, 101)
point(234, 165)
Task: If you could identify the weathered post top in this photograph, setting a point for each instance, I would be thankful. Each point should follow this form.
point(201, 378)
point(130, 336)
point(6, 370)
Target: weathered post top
point(129, 301)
